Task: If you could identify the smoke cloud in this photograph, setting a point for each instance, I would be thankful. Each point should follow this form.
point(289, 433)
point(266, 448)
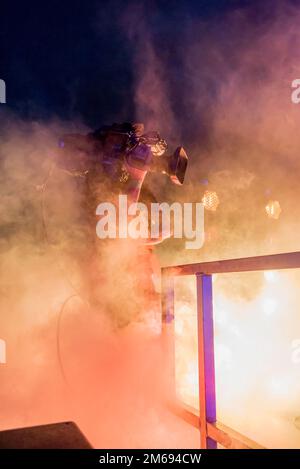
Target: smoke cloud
point(240, 126)
point(220, 86)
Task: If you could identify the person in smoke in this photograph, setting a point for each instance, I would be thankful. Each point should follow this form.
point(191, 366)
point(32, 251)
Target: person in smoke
point(101, 165)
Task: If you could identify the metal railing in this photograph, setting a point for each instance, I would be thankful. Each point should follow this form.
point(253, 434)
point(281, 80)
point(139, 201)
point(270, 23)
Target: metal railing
point(212, 432)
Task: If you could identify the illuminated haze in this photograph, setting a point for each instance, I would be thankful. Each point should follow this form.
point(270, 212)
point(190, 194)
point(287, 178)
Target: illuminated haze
point(220, 87)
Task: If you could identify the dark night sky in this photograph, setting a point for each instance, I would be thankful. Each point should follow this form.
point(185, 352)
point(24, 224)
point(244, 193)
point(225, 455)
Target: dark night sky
point(72, 58)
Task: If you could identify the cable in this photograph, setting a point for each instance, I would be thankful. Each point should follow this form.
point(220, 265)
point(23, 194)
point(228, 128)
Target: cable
point(46, 237)
point(58, 329)
point(76, 293)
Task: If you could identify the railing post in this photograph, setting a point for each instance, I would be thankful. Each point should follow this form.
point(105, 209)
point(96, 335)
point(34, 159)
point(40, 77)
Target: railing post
point(206, 362)
point(168, 331)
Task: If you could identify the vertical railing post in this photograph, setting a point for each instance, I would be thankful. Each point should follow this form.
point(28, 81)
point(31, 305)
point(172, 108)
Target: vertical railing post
point(206, 362)
point(168, 330)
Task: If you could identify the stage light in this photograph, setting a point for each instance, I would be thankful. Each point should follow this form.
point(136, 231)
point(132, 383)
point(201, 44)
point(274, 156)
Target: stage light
point(270, 276)
point(273, 209)
point(210, 200)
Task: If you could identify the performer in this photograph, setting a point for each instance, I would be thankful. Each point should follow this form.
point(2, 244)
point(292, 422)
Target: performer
point(98, 167)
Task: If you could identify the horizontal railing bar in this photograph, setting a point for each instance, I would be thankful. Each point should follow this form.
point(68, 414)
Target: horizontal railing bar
point(290, 260)
point(187, 413)
point(229, 438)
point(225, 436)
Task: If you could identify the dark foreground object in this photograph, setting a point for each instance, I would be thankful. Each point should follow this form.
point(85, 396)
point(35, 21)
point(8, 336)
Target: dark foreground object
point(64, 435)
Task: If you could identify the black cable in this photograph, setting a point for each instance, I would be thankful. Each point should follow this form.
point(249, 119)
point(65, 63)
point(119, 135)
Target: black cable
point(76, 292)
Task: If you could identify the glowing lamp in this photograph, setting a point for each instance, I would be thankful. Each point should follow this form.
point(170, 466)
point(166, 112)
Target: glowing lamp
point(210, 200)
point(271, 276)
point(273, 209)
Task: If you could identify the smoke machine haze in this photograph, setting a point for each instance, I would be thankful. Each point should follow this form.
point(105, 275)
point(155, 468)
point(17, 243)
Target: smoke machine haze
point(83, 337)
